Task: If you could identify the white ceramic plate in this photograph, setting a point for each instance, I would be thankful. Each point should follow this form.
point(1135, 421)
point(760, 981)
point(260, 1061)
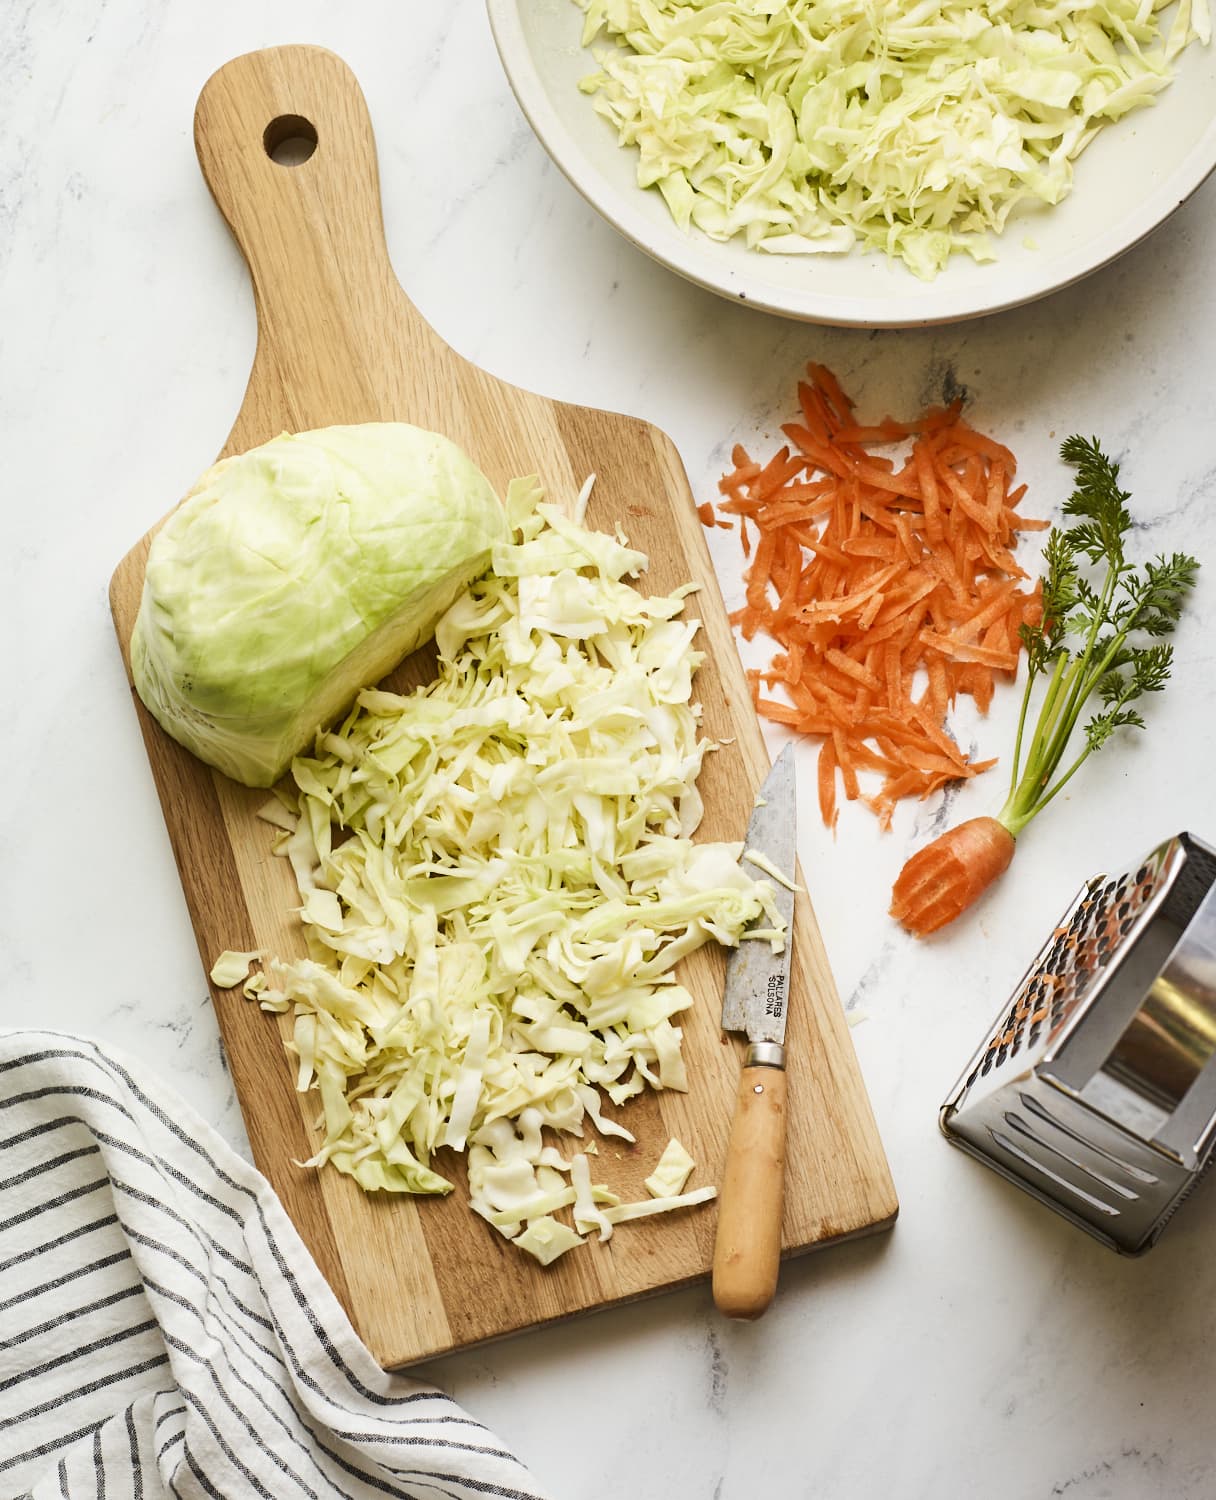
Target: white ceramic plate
point(1133, 176)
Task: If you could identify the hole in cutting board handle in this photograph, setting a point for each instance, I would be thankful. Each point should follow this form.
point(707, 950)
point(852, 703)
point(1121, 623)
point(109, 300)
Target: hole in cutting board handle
point(290, 140)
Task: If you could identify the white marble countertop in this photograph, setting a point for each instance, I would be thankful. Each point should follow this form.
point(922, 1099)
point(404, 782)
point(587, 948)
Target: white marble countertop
point(982, 1347)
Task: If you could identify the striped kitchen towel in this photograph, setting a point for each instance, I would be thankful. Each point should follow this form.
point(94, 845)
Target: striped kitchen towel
point(164, 1332)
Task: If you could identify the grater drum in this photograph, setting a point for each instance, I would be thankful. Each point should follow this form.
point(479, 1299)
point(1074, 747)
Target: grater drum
point(1095, 1090)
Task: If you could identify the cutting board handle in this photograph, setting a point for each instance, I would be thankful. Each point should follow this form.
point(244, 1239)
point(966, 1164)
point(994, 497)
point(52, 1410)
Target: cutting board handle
point(311, 230)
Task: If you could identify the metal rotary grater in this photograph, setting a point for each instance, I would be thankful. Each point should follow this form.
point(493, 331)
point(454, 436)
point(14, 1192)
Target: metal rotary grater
point(1096, 1088)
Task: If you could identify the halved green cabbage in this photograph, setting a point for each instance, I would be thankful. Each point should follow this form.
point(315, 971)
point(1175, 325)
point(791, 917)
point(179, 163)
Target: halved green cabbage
point(808, 125)
point(297, 573)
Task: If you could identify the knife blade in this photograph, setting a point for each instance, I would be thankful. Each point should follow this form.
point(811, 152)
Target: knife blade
point(755, 1000)
point(756, 997)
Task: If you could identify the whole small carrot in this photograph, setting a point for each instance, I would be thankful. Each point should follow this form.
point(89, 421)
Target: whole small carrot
point(1116, 622)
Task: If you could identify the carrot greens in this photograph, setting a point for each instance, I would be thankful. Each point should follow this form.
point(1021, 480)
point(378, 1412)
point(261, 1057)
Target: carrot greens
point(1091, 636)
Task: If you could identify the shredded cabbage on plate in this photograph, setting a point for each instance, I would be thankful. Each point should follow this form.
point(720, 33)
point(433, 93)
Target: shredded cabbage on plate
point(497, 880)
point(808, 126)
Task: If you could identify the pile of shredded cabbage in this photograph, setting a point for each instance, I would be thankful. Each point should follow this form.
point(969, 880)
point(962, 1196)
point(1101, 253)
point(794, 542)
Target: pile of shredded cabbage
point(497, 881)
point(809, 125)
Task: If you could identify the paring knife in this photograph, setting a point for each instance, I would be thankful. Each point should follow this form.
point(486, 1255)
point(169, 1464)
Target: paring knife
point(755, 1001)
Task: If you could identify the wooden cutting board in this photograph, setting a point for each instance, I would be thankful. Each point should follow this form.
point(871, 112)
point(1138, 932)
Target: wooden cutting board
point(338, 341)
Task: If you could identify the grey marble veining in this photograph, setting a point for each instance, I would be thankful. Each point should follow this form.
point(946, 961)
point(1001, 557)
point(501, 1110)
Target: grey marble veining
point(984, 1347)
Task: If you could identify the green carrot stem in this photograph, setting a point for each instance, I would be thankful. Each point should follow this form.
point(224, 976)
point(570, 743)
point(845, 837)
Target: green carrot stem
point(1051, 737)
point(1052, 700)
point(1085, 684)
point(1017, 744)
point(1072, 770)
point(1080, 687)
point(1056, 729)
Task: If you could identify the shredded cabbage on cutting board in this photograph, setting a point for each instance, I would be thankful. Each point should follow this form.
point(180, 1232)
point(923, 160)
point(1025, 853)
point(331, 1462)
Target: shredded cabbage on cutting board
point(497, 879)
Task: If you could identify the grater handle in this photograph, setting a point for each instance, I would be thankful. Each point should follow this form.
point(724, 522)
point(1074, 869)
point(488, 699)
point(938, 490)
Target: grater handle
point(748, 1248)
point(1170, 1042)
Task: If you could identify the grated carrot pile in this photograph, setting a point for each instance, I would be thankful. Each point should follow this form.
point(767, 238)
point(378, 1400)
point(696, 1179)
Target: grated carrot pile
point(889, 589)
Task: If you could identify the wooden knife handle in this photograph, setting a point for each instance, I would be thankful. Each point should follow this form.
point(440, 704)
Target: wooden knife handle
point(748, 1247)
